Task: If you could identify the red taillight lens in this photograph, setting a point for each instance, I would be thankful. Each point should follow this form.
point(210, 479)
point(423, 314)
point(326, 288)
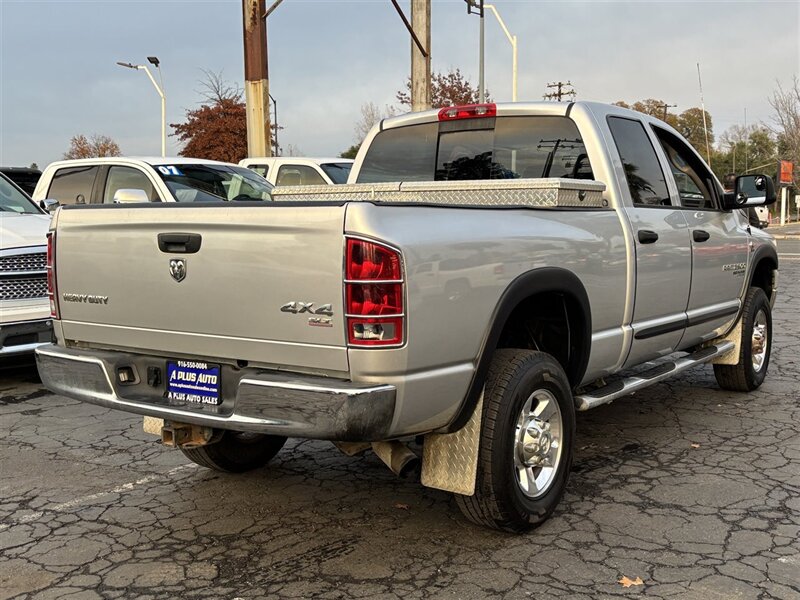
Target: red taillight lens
point(52, 290)
point(373, 294)
point(367, 260)
point(469, 111)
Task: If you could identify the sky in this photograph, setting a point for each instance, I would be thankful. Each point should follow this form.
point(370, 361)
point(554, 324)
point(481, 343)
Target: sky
point(59, 78)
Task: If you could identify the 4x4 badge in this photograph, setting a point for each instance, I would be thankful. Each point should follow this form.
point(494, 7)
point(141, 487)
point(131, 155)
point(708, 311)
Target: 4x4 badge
point(177, 268)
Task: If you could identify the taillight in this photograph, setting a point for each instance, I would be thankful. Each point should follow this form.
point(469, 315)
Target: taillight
point(374, 294)
point(52, 290)
point(469, 111)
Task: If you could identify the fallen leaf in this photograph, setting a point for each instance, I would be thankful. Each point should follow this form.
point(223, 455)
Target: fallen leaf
point(695, 445)
point(401, 506)
point(627, 582)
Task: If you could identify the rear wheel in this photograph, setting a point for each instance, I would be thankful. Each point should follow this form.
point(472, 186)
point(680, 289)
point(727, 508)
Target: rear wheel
point(236, 451)
point(754, 351)
point(525, 453)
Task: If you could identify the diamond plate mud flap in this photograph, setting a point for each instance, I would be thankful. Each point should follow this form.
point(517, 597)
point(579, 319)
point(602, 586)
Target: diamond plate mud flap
point(732, 357)
point(153, 425)
point(450, 461)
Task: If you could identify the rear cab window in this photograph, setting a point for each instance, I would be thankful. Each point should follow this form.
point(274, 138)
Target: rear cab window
point(290, 174)
point(482, 148)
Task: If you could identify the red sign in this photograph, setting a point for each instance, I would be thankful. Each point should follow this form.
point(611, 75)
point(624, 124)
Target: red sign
point(785, 172)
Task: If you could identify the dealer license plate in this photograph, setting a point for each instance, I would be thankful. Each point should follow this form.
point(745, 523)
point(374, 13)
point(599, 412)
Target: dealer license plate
point(191, 381)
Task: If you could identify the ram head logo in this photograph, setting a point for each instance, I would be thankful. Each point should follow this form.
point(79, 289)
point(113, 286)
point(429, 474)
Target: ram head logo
point(177, 268)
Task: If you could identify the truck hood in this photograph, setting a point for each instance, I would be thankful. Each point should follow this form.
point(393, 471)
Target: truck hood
point(20, 230)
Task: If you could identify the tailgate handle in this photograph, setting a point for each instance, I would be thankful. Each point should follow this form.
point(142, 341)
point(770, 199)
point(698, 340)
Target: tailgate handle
point(179, 243)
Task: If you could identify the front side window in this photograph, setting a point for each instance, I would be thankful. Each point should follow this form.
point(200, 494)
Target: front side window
point(488, 148)
point(693, 180)
point(213, 183)
point(73, 185)
point(127, 178)
point(299, 175)
point(645, 178)
point(12, 200)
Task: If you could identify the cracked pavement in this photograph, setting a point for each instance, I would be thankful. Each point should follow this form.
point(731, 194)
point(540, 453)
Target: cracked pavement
point(693, 489)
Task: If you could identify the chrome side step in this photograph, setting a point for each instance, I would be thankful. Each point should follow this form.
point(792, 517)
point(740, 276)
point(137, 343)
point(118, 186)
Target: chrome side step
point(634, 383)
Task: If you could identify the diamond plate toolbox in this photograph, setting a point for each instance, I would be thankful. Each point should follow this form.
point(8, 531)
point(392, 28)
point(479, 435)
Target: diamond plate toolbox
point(522, 193)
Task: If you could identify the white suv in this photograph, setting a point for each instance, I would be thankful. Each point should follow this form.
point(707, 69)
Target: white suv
point(24, 307)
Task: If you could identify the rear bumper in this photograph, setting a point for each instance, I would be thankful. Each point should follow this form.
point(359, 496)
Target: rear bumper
point(254, 400)
point(24, 337)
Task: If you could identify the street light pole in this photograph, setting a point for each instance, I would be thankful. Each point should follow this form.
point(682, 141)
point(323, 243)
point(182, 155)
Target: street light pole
point(513, 40)
point(160, 89)
point(479, 9)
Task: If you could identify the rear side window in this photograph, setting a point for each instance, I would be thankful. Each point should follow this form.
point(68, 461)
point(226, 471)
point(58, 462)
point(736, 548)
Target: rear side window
point(645, 178)
point(499, 148)
point(259, 169)
point(299, 175)
point(73, 185)
point(122, 178)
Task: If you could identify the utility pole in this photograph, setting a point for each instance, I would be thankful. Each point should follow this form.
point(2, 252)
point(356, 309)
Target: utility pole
point(256, 75)
point(562, 89)
point(479, 10)
point(420, 30)
point(664, 107)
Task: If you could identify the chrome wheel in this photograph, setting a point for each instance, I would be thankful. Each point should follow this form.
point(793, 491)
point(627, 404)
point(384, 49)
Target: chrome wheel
point(537, 444)
point(759, 341)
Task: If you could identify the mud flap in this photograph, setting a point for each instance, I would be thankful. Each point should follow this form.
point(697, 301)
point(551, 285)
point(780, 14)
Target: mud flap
point(450, 461)
point(732, 357)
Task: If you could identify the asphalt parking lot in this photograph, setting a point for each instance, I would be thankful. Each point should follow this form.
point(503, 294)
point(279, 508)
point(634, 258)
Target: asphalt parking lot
point(694, 490)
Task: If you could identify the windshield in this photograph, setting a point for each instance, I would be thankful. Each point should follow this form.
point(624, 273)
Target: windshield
point(212, 183)
point(338, 172)
point(487, 148)
point(13, 200)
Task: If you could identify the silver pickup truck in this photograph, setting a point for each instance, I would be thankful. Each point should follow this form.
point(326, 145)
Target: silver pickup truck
point(488, 271)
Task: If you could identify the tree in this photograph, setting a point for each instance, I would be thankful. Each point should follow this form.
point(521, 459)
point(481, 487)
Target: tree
point(447, 89)
point(98, 145)
point(217, 130)
point(743, 149)
point(689, 123)
point(34, 166)
point(786, 103)
point(370, 115)
point(351, 151)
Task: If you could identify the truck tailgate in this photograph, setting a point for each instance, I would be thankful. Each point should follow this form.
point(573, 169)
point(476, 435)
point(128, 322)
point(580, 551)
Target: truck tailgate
point(119, 288)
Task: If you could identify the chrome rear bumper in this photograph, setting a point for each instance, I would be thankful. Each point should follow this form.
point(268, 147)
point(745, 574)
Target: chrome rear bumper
point(255, 400)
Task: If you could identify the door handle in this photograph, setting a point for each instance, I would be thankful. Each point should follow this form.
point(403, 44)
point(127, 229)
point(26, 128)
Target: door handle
point(647, 237)
point(698, 235)
point(179, 243)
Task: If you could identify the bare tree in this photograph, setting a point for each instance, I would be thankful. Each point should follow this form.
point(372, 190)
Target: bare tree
point(214, 89)
point(370, 115)
point(786, 103)
point(98, 145)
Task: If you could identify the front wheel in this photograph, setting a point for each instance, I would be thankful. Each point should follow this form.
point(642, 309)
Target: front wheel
point(525, 452)
point(754, 351)
point(236, 451)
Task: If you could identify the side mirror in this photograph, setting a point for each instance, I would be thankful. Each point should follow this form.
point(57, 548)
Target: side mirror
point(130, 196)
point(750, 190)
point(49, 205)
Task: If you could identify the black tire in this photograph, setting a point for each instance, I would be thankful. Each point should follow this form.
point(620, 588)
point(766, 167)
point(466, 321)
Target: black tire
point(499, 501)
point(236, 451)
point(744, 376)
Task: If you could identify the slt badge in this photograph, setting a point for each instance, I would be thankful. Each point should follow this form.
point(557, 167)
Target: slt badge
point(177, 268)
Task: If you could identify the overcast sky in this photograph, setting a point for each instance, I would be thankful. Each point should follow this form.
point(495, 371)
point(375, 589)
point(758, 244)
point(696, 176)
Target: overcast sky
point(58, 76)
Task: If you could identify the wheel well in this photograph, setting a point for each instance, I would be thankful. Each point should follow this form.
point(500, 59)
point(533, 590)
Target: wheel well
point(763, 275)
point(551, 322)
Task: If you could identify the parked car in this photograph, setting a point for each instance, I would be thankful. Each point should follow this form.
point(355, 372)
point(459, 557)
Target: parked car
point(293, 170)
point(24, 307)
point(581, 260)
point(24, 177)
point(172, 179)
